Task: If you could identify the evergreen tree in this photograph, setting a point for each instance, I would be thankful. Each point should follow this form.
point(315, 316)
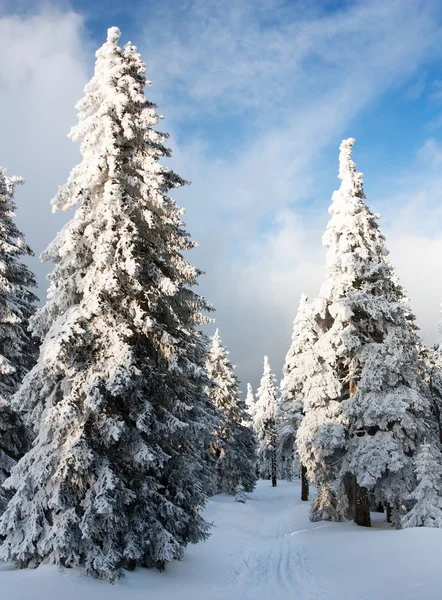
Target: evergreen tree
point(117, 475)
point(234, 448)
point(250, 401)
point(291, 405)
point(432, 362)
point(251, 408)
point(17, 350)
point(427, 510)
point(320, 438)
point(367, 405)
point(324, 506)
point(265, 424)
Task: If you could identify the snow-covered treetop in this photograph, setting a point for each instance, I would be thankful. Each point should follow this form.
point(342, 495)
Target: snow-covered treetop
point(8, 185)
point(250, 398)
point(216, 347)
point(234, 447)
point(113, 35)
point(303, 338)
point(357, 255)
point(218, 359)
point(225, 385)
point(347, 168)
point(299, 368)
point(11, 240)
point(266, 399)
point(268, 379)
point(120, 161)
point(112, 115)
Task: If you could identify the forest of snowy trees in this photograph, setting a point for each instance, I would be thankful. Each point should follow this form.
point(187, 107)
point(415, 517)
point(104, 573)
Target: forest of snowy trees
point(120, 417)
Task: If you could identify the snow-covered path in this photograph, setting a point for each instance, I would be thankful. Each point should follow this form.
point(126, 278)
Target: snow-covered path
point(271, 561)
point(266, 549)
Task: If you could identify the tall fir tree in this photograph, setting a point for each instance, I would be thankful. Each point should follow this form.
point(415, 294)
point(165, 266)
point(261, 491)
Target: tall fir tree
point(291, 405)
point(235, 446)
point(117, 475)
point(265, 424)
point(367, 406)
point(18, 351)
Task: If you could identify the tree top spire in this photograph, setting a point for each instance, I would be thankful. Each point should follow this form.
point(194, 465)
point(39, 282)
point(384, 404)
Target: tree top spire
point(347, 167)
point(113, 35)
point(303, 300)
point(345, 162)
point(267, 368)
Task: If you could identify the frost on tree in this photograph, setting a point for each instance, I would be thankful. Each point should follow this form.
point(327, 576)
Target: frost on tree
point(17, 350)
point(291, 406)
point(250, 401)
point(432, 362)
point(366, 404)
point(234, 446)
point(427, 496)
point(117, 475)
point(265, 424)
point(324, 506)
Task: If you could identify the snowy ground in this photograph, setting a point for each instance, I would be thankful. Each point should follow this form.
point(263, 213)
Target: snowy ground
point(266, 550)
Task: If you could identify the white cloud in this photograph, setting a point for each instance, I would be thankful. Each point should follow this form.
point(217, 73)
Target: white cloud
point(411, 204)
point(299, 85)
point(43, 69)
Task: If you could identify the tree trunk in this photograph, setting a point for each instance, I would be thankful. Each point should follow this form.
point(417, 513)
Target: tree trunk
point(388, 511)
point(362, 506)
point(346, 500)
point(304, 484)
point(274, 467)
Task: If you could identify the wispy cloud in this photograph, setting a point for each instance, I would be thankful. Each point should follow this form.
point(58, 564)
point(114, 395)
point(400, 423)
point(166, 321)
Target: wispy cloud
point(259, 206)
point(237, 56)
point(43, 69)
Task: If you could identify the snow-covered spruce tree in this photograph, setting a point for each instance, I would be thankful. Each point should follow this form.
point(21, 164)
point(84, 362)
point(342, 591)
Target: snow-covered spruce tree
point(17, 350)
point(250, 401)
point(234, 447)
point(265, 424)
point(367, 404)
point(432, 363)
point(325, 504)
point(427, 510)
point(291, 406)
point(320, 438)
point(117, 475)
point(250, 407)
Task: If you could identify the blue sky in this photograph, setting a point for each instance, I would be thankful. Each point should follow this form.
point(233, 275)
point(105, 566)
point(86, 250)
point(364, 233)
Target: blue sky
point(257, 97)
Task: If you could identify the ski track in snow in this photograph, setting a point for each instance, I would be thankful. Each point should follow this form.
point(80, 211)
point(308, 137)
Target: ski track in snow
point(272, 564)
